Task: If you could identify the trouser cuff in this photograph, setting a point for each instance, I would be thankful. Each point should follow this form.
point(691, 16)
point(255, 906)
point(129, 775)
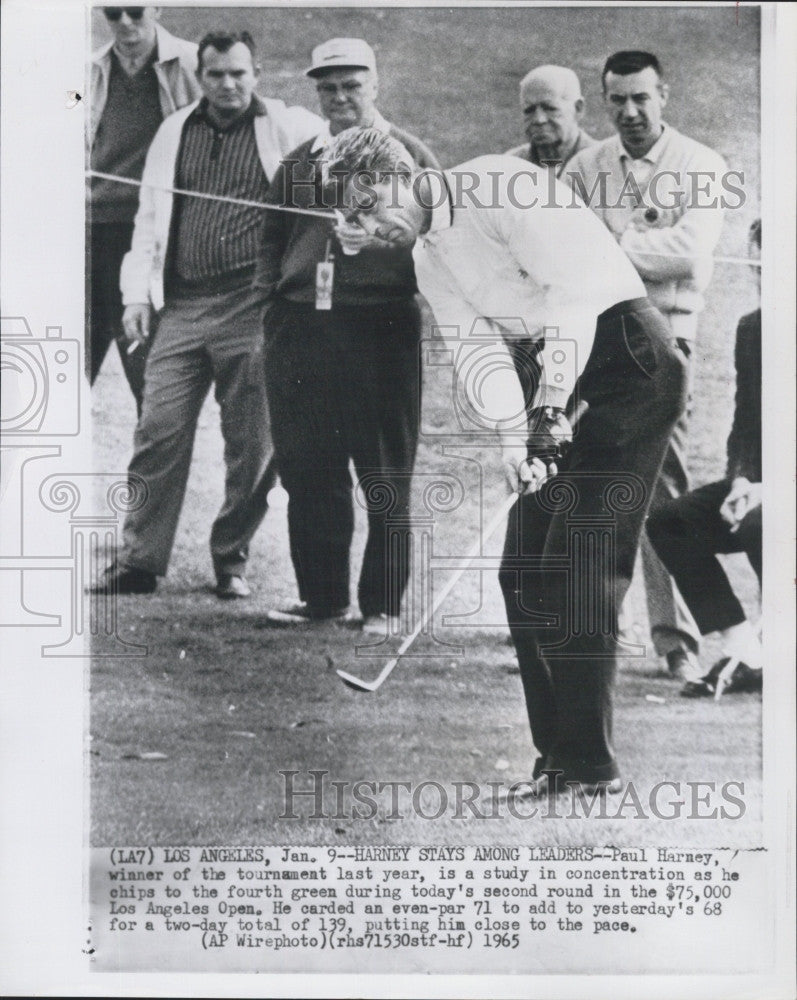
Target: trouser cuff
point(562, 771)
point(667, 640)
point(229, 569)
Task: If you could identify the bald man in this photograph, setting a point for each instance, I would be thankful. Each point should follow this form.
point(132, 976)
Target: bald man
point(552, 106)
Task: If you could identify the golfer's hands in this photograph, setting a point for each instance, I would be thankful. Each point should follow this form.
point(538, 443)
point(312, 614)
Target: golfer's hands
point(136, 322)
point(550, 434)
point(524, 474)
point(744, 496)
point(352, 237)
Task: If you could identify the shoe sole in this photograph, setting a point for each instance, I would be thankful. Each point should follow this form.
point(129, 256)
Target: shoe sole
point(541, 794)
point(697, 692)
point(379, 629)
point(278, 619)
point(124, 592)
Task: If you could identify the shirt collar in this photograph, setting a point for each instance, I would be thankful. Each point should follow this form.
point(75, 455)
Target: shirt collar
point(441, 206)
point(534, 153)
point(324, 139)
point(167, 47)
point(257, 107)
point(652, 154)
point(135, 65)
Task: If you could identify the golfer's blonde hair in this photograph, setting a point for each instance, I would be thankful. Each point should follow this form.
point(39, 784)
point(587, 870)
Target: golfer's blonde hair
point(367, 151)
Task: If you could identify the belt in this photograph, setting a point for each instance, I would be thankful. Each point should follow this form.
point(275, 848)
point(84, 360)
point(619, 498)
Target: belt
point(628, 305)
point(231, 281)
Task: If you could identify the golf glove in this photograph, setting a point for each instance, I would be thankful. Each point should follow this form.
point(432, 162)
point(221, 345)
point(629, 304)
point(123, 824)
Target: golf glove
point(550, 434)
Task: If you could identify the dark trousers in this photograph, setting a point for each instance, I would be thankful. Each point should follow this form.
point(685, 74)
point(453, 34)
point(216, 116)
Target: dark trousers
point(344, 386)
point(108, 243)
point(570, 549)
point(671, 624)
point(686, 534)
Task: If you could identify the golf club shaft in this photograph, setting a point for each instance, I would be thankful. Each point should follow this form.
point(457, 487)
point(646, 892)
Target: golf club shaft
point(498, 518)
point(489, 531)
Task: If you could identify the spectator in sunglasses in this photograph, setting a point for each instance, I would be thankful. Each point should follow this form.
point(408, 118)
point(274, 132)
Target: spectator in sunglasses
point(137, 79)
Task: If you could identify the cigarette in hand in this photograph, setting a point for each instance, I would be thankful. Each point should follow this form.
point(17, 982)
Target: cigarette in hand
point(132, 347)
point(343, 230)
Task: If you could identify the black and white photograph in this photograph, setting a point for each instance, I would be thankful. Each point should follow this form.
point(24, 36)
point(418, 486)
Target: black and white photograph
point(398, 532)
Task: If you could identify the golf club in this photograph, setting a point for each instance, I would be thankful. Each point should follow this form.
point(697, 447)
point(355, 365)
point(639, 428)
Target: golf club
point(498, 519)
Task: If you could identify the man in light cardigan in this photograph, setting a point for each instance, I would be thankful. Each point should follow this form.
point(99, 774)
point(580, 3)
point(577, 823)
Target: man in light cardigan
point(191, 263)
point(660, 195)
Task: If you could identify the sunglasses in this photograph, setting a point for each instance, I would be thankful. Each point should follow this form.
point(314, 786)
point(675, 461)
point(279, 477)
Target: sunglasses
point(115, 13)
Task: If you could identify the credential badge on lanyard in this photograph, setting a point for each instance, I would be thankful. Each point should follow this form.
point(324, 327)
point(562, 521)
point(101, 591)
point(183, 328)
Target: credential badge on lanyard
point(324, 279)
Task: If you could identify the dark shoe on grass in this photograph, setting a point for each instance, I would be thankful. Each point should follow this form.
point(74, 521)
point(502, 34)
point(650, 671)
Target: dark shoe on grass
point(727, 676)
point(122, 579)
point(549, 785)
point(381, 624)
point(301, 614)
point(683, 664)
point(697, 689)
point(232, 587)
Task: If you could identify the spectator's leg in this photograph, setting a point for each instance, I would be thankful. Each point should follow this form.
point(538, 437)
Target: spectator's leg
point(687, 533)
point(99, 326)
point(382, 428)
point(235, 345)
point(109, 242)
point(303, 382)
point(178, 379)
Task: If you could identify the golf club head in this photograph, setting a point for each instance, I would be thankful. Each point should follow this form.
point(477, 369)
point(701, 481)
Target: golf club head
point(359, 685)
point(354, 682)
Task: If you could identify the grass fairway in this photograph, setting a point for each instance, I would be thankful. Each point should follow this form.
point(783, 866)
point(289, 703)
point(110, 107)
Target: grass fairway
point(230, 703)
point(245, 703)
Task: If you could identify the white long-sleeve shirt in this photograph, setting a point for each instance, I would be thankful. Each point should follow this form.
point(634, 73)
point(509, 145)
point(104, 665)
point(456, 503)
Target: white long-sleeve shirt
point(502, 261)
point(671, 234)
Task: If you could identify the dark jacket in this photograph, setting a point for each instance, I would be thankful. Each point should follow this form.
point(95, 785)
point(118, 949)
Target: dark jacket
point(294, 244)
point(744, 441)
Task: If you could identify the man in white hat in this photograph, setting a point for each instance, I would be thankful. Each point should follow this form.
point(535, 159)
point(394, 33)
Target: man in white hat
point(342, 374)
